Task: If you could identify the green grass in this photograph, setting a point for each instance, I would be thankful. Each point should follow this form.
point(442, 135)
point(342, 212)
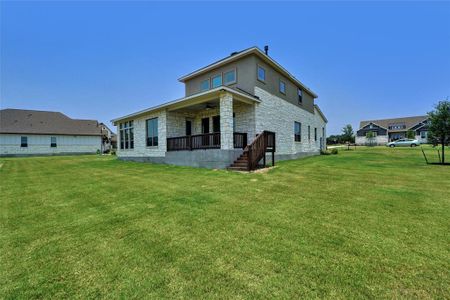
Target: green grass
point(367, 223)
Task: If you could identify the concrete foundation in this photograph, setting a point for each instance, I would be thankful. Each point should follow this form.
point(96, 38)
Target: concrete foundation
point(211, 158)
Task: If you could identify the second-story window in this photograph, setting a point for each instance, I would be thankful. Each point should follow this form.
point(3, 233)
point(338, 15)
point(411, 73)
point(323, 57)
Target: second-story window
point(216, 81)
point(282, 87)
point(229, 77)
point(300, 96)
point(204, 85)
point(261, 74)
point(309, 133)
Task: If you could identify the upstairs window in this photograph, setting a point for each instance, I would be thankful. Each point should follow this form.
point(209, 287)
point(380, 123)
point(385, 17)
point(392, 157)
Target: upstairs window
point(152, 132)
point(423, 134)
point(126, 135)
point(309, 132)
point(282, 87)
point(23, 141)
point(229, 77)
point(300, 96)
point(216, 81)
point(297, 131)
point(261, 74)
point(204, 85)
point(53, 141)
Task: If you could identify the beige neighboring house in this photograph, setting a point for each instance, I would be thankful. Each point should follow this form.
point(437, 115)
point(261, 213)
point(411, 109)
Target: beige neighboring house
point(109, 140)
point(235, 112)
point(32, 132)
point(388, 130)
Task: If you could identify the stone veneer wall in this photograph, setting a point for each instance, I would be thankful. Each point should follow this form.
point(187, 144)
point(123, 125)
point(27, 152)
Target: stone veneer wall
point(140, 147)
point(278, 115)
point(40, 144)
point(379, 140)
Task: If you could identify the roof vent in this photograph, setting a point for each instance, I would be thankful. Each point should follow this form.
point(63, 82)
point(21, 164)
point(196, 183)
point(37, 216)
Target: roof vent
point(234, 53)
point(266, 49)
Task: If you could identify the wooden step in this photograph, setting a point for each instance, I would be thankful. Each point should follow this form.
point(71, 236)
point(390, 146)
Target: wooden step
point(237, 168)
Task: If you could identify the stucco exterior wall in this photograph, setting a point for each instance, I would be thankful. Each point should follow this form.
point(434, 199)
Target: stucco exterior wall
point(40, 144)
point(278, 115)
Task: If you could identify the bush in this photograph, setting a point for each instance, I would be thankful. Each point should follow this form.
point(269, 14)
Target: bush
point(98, 151)
point(324, 152)
point(113, 152)
point(334, 151)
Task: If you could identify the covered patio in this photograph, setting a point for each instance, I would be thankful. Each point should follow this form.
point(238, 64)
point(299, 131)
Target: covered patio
point(222, 119)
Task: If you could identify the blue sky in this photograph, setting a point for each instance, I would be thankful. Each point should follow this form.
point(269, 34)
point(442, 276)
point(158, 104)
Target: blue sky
point(101, 60)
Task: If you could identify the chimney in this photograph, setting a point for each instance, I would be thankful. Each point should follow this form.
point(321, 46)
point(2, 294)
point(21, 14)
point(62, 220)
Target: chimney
point(266, 49)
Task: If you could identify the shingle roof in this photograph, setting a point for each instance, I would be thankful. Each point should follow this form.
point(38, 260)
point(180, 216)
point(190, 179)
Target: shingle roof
point(408, 122)
point(44, 122)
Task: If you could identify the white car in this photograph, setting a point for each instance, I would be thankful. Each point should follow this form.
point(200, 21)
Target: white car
point(403, 143)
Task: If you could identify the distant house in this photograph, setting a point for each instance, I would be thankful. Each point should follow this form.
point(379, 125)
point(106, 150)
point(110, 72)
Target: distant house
point(235, 110)
point(31, 132)
point(387, 130)
point(109, 139)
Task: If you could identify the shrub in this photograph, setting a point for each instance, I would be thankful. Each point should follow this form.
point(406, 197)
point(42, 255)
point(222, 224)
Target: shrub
point(334, 151)
point(324, 152)
point(113, 152)
point(98, 151)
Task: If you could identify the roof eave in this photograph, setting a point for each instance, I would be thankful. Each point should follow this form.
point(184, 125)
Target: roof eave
point(178, 101)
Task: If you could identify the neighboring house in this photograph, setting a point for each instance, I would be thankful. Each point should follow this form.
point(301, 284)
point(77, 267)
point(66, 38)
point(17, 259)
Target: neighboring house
point(31, 132)
point(227, 104)
point(108, 138)
point(388, 130)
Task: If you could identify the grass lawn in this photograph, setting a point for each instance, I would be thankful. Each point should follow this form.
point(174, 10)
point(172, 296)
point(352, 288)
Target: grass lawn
point(367, 223)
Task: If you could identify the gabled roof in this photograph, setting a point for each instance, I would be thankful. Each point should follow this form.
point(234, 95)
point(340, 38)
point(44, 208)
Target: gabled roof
point(203, 96)
point(238, 55)
point(320, 113)
point(22, 121)
point(385, 123)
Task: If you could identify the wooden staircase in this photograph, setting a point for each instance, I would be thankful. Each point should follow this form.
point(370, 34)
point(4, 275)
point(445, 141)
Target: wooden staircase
point(253, 153)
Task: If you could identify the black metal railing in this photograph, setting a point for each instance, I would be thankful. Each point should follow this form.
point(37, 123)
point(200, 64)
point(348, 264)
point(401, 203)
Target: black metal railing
point(204, 141)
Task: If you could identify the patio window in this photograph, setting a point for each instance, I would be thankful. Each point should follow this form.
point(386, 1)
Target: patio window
point(53, 141)
point(23, 141)
point(261, 74)
point(204, 85)
point(297, 131)
point(229, 77)
point(152, 132)
point(282, 87)
point(126, 135)
point(216, 81)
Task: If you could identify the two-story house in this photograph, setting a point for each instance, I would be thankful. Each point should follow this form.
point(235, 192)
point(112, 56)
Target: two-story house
point(235, 110)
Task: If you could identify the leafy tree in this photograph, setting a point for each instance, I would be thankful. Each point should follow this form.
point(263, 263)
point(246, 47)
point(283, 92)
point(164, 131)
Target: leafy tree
point(439, 125)
point(348, 134)
point(410, 134)
point(370, 137)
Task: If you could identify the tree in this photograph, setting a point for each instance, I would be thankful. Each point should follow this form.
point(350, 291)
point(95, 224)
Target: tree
point(370, 137)
point(410, 134)
point(347, 134)
point(439, 125)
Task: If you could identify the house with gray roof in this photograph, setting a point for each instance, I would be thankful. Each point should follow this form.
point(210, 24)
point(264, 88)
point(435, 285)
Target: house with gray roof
point(388, 130)
point(32, 132)
point(236, 113)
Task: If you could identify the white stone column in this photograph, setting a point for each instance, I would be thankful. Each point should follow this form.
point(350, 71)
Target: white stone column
point(226, 121)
